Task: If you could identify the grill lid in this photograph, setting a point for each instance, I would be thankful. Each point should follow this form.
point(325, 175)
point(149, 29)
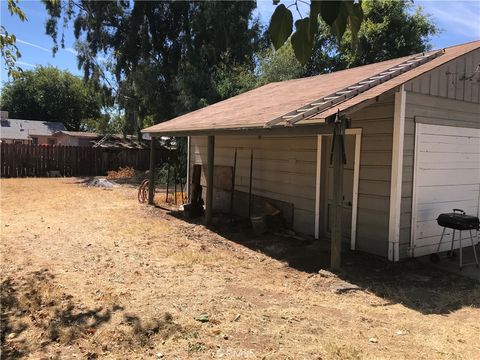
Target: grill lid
point(458, 220)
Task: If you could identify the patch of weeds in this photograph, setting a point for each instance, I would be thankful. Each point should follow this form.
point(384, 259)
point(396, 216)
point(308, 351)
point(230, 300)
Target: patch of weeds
point(193, 257)
point(342, 352)
point(34, 302)
point(196, 347)
point(143, 331)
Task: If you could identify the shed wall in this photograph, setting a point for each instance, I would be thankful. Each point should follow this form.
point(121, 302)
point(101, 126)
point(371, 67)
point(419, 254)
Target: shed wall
point(454, 80)
point(444, 96)
point(376, 122)
point(284, 168)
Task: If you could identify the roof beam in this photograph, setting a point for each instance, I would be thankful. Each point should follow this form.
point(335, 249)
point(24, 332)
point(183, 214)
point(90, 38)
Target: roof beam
point(316, 127)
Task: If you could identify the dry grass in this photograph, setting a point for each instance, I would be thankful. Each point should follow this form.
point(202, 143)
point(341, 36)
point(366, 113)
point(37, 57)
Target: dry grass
point(89, 273)
point(122, 173)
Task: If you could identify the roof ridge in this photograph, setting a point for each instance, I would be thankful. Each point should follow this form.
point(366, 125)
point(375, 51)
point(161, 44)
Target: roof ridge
point(457, 45)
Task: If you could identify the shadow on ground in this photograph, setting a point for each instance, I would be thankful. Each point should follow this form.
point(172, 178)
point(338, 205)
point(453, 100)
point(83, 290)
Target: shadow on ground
point(412, 283)
point(36, 314)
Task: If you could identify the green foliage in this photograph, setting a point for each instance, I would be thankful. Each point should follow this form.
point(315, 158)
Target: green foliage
point(49, 94)
point(281, 26)
point(231, 80)
point(224, 40)
point(330, 10)
point(302, 40)
point(336, 14)
point(389, 29)
point(104, 124)
point(8, 48)
point(278, 65)
point(167, 57)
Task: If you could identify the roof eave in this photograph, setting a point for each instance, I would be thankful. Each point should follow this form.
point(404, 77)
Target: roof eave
point(318, 126)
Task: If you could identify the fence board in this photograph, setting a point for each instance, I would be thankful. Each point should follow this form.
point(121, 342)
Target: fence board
point(21, 160)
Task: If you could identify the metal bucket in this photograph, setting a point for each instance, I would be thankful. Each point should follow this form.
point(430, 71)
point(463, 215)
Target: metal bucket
point(259, 224)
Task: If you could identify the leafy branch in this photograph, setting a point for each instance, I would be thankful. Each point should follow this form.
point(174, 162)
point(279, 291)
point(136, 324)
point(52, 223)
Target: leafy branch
point(8, 47)
point(336, 14)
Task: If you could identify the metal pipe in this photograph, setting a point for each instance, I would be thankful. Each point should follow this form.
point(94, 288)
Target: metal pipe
point(168, 181)
point(175, 182)
point(210, 164)
point(250, 186)
point(151, 181)
point(233, 182)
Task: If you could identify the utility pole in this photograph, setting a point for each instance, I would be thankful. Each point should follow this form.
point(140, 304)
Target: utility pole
point(338, 158)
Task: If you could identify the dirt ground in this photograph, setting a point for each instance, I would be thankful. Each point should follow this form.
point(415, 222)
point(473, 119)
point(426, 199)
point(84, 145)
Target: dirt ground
point(89, 273)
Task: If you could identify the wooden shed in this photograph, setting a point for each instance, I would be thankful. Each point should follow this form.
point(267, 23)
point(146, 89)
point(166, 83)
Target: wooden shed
point(412, 148)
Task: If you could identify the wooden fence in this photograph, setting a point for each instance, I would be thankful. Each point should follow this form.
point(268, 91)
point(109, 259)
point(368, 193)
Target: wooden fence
point(20, 160)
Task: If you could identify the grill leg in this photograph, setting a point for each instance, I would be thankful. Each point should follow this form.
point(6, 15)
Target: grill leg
point(453, 240)
point(473, 247)
point(460, 250)
point(440, 242)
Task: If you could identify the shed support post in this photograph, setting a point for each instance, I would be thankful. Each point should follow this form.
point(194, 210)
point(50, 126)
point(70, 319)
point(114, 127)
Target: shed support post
point(396, 176)
point(210, 167)
point(151, 179)
point(337, 213)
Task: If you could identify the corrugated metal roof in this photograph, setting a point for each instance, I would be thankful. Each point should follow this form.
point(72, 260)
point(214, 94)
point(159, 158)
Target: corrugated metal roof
point(255, 108)
point(22, 129)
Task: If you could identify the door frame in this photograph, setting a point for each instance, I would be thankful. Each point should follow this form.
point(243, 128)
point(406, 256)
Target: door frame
point(356, 177)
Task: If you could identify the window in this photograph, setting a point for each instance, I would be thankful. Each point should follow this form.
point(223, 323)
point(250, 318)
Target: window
point(34, 140)
point(52, 141)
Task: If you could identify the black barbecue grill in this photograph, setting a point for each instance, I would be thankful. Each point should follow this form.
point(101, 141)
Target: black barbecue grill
point(457, 221)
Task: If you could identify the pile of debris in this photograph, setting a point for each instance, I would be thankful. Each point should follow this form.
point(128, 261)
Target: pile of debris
point(99, 182)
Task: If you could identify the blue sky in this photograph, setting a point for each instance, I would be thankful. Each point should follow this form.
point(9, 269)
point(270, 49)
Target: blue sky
point(458, 20)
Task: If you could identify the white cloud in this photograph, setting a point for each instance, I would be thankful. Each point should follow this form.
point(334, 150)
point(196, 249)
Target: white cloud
point(25, 63)
point(71, 50)
point(455, 17)
point(33, 45)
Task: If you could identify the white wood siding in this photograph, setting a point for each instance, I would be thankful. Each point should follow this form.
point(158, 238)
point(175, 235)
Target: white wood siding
point(376, 122)
point(283, 169)
point(451, 80)
point(447, 176)
point(449, 101)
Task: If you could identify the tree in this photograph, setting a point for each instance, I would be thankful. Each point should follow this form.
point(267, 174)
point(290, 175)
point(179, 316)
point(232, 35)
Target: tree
point(223, 34)
point(104, 124)
point(165, 54)
point(390, 29)
point(336, 14)
point(8, 48)
point(230, 79)
point(278, 65)
point(49, 94)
